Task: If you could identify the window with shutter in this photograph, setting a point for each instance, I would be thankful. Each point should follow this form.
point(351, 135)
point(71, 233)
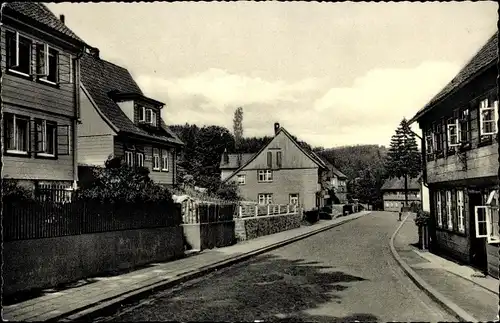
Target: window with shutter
point(448, 210)
point(460, 211)
point(156, 159)
point(453, 133)
point(439, 209)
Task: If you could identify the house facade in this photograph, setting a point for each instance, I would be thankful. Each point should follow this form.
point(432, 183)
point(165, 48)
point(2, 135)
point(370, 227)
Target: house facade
point(460, 150)
point(40, 68)
point(282, 172)
point(393, 194)
point(119, 120)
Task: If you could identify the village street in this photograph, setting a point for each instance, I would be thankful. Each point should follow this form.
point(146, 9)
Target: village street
point(346, 273)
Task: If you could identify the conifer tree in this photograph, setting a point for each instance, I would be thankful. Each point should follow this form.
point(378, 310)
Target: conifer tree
point(403, 157)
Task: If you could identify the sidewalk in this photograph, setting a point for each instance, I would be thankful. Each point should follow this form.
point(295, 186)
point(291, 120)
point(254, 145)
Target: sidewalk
point(462, 290)
point(104, 292)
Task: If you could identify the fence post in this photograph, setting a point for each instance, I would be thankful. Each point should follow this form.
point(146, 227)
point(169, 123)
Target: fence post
point(279, 209)
point(256, 210)
point(241, 211)
point(288, 209)
point(268, 208)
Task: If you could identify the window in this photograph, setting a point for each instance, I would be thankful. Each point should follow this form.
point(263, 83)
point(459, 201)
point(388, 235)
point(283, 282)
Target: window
point(164, 160)
point(45, 138)
point(488, 116)
point(439, 209)
point(241, 179)
point(16, 134)
point(129, 158)
point(464, 126)
point(47, 63)
point(149, 115)
point(156, 159)
point(294, 199)
point(453, 133)
point(429, 143)
point(140, 159)
point(265, 175)
point(460, 211)
point(142, 114)
point(269, 159)
point(481, 221)
point(153, 118)
point(265, 198)
point(438, 137)
point(278, 159)
point(449, 210)
point(18, 53)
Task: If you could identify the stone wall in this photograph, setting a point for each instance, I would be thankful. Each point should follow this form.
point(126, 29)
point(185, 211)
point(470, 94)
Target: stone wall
point(251, 228)
point(44, 263)
point(200, 236)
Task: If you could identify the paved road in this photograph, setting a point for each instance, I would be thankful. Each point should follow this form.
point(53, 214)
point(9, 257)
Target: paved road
point(346, 273)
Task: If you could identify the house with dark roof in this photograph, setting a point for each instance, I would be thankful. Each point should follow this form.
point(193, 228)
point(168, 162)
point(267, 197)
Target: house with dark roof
point(118, 120)
point(282, 172)
point(460, 153)
point(336, 184)
point(393, 193)
point(40, 68)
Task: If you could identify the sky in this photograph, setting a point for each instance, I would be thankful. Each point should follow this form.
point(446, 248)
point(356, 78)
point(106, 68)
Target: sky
point(332, 74)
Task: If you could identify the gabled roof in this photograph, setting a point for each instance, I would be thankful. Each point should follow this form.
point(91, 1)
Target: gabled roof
point(399, 184)
point(39, 12)
point(306, 151)
point(330, 166)
point(99, 78)
point(486, 57)
point(233, 161)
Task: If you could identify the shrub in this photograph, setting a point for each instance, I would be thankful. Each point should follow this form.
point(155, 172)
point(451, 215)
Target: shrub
point(422, 218)
point(119, 183)
point(311, 216)
point(12, 191)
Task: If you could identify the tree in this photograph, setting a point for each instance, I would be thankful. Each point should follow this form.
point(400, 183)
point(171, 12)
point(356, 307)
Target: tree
point(403, 158)
point(238, 127)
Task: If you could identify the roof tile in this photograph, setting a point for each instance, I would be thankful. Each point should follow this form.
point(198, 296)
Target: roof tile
point(99, 78)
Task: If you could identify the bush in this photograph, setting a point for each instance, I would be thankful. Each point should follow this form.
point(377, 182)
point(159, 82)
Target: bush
point(12, 191)
point(118, 183)
point(311, 216)
point(423, 218)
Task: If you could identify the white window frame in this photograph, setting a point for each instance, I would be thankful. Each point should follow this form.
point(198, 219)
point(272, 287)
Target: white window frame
point(457, 133)
point(153, 118)
point(143, 109)
point(44, 132)
point(493, 228)
point(484, 106)
point(429, 144)
point(164, 160)
point(149, 113)
point(265, 176)
point(294, 198)
point(477, 222)
point(16, 143)
point(17, 57)
point(129, 158)
point(448, 210)
point(156, 159)
point(140, 159)
point(439, 213)
point(460, 211)
point(241, 179)
point(265, 198)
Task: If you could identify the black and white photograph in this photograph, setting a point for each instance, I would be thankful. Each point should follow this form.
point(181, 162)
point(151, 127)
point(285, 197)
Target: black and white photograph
point(250, 161)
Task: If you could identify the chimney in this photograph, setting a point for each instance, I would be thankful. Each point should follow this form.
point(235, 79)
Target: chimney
point(61, 17)
point(94, 52)
point(276, 128)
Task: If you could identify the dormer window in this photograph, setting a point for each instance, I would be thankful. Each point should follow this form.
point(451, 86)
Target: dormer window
point(148, 116)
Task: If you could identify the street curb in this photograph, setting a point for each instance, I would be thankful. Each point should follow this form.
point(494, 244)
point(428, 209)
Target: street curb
point(439, 298)
point(112, 304)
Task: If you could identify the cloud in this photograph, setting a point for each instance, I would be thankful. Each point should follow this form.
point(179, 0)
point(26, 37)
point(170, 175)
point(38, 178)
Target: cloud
point(366, 112)
point(216, 89)
point(385, 95)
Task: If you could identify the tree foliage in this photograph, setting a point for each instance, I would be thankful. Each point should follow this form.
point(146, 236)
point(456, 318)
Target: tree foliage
point(403, 158)
point(117, 182)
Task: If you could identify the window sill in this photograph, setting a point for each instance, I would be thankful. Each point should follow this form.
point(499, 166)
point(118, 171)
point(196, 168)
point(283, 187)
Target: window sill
point(47, 82)
point(156, 169)
point(19, 74)
point(485, 142)
point(17, 153)
point(164, 170)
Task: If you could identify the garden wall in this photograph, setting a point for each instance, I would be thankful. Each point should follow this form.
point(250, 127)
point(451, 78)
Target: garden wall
point(200, 236)
point(47, 262)
point(251, 228)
